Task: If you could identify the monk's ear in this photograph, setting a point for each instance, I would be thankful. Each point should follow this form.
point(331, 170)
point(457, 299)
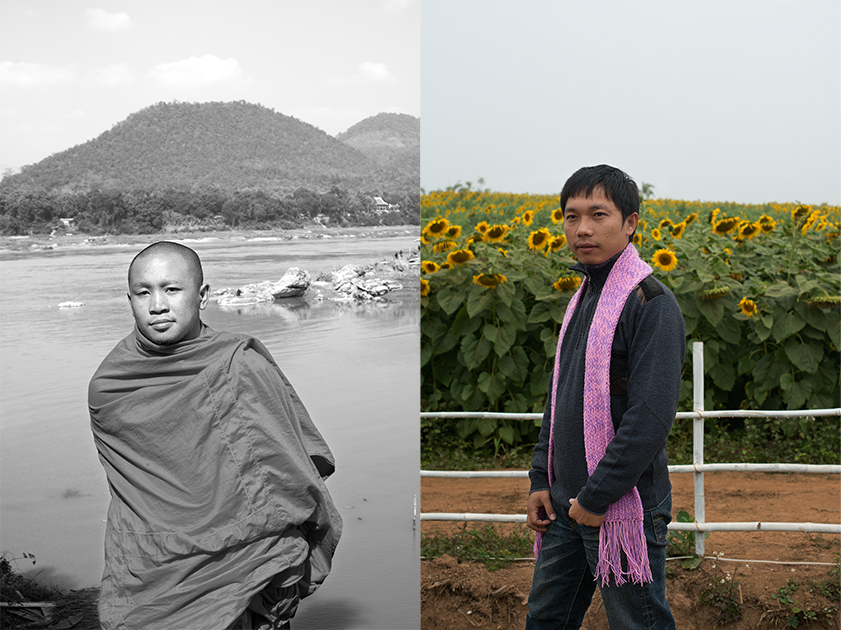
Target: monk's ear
point(204, 295)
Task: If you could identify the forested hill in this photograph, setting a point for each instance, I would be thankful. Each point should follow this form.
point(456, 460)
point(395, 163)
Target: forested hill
point(227, 146)
point(391, 140)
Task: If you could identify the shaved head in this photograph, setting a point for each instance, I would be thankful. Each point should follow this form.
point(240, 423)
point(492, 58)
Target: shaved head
point(170, 249)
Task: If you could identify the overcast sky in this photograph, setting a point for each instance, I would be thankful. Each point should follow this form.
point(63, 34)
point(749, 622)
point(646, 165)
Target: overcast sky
point(736, 100)
point(71, 69)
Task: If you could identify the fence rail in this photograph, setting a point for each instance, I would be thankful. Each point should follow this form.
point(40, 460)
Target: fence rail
point(697, 468)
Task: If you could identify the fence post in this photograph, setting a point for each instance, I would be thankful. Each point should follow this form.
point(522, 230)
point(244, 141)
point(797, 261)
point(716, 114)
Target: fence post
point(698, 438)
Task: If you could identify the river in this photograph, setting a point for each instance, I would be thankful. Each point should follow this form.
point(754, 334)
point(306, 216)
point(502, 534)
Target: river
point(355, 366)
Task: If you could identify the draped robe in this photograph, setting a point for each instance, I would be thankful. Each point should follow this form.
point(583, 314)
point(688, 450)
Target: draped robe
point(216, 474)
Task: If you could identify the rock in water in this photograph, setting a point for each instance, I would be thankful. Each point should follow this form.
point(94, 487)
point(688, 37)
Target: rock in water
point(293, 284)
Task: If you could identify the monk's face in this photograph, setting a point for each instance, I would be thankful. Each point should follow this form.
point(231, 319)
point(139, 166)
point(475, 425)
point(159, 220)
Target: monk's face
point(166, 298)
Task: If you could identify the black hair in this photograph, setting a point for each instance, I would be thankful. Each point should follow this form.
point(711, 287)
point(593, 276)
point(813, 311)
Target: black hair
point(617, 185)
point(168, 247)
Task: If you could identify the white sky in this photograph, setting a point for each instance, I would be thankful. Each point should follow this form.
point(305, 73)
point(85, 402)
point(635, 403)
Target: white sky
point(71, 69)
point(736, 100)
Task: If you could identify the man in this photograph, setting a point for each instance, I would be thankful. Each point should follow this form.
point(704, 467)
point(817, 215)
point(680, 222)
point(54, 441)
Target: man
point(600, 494)
point(219, 514)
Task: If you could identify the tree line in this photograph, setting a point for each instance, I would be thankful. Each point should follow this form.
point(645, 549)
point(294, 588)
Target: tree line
point(111, 211)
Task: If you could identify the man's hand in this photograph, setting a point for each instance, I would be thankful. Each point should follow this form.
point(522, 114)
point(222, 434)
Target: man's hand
point(540, 505)
point(582, 516)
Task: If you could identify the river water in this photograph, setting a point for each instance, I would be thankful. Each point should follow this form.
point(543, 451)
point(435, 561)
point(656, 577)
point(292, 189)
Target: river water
point(355, 366)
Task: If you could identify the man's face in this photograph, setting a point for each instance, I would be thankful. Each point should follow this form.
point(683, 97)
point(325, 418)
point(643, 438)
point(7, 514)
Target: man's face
point(594, 227)
point(166, 298)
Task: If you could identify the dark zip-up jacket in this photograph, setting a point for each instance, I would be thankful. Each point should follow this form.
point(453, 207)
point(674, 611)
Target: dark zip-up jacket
point(645, 367)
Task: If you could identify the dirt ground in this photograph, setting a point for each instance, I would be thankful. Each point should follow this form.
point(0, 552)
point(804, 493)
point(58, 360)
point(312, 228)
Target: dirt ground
point(465, 595)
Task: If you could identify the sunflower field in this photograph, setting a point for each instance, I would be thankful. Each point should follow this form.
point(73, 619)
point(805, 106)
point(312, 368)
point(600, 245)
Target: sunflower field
point(760, 285)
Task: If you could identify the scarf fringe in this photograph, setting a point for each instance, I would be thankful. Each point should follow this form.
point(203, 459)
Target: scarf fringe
point(618, 540)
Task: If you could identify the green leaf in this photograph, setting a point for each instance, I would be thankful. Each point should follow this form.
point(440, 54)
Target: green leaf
point(474, 351)
point(713, 310)
point(780, 289)
point(450, 300)
point(515, 365)
point(493, 385)
point(426, 354)
point(730, 331)
point(540, 312)
point(815, 317)
point(805, 285)
point(691, 563)
point(478, 301)
point(507, 434)
point(786, 326)
point(446, 344)
point(486, 426)
point(804, 356)
point(550, 341)
point(723, 375)
point(505, 292)
point(505, 338)
point(797, 393)
point(489, 332)
point(513, 313)
point(833, 328)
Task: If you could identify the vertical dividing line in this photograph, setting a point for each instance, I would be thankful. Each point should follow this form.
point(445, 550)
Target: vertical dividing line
point(698, 438)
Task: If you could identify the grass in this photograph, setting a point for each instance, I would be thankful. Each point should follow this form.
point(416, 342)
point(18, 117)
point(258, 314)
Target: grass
point(484, 544)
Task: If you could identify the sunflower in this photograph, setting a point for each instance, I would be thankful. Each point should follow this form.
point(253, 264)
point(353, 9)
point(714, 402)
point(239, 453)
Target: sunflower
point(637, 239)
point(437, 228)
point(665, 223)
point(748, 307)
point(454, 231)
point(716, 293)
point(557, 215)
point(443, 246)
point(714, 215)
point(725, 225)
point(655, 234)
point(767, 224)
point(445, 266)
point(799, 212)
point(504, 252)
point(556, 243)
point(424, 287)
point(677, 229)
point(748, 230)
point(496, 233)
point(826, 301)
point(665, 259)
point(424, 239)
point(482, 227)
point(539, 238)
point(810, 221)
point(516, 221)
point(566, 283)
point(429, 267)
point(690, 218)
point(528, 217)
point(460, 256)
point(489, 279)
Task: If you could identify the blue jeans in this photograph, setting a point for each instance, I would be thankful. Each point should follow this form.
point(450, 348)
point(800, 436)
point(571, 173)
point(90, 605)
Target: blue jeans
point(563, 583)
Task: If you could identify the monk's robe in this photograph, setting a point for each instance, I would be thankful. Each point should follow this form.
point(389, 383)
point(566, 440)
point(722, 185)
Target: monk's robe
point(216, 473)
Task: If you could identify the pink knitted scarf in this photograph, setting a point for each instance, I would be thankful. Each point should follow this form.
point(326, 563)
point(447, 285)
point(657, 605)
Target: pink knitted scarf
point(622, 529)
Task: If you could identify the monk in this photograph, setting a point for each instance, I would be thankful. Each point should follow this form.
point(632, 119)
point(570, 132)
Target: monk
point(219, 514)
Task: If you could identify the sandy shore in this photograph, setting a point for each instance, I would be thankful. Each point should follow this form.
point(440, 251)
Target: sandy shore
point(44, 243)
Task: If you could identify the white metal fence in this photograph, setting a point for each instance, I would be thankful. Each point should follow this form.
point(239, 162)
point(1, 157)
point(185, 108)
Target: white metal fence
point(697, 468)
